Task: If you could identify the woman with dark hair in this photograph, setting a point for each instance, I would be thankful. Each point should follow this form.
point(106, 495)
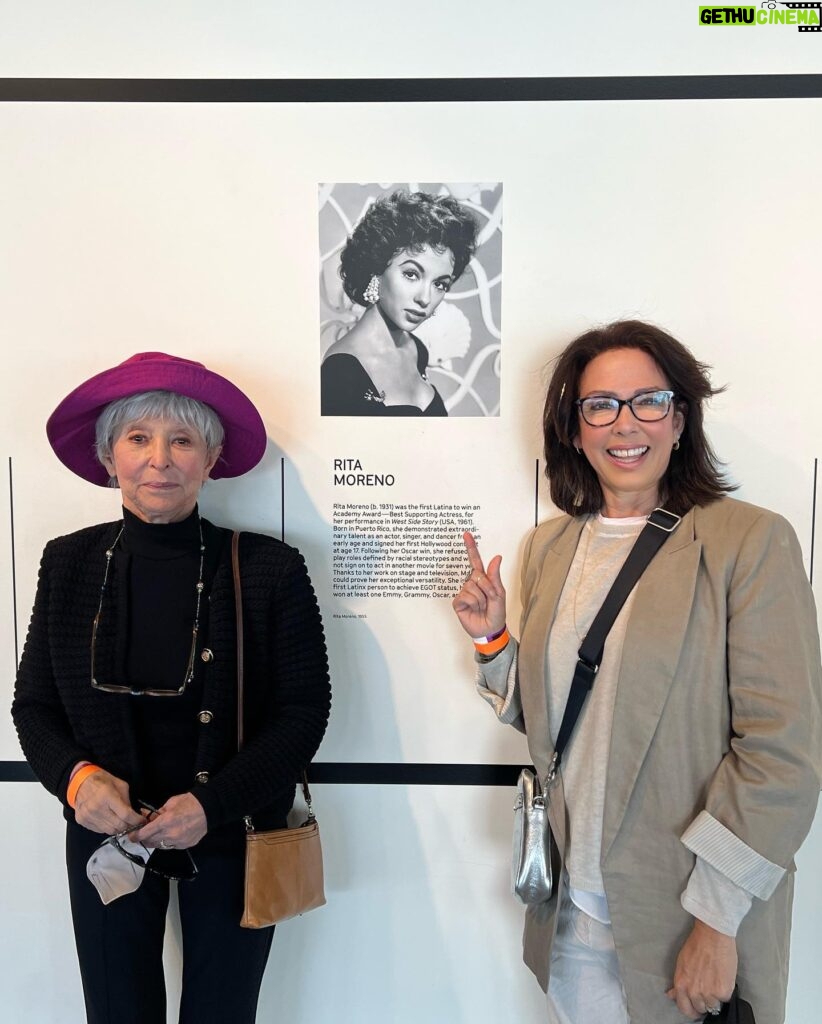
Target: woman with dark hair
point(693, 772)
point(400, 261)
point(126, 696)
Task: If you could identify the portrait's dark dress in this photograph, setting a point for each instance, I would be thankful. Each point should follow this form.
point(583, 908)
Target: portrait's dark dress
point(347, 390)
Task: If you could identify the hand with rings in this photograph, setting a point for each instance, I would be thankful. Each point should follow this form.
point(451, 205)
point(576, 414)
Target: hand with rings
point(178, 825)
point(480, 604)
point(705, 972)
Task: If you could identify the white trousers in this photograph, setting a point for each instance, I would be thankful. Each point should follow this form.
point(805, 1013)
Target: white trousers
point(585, 986)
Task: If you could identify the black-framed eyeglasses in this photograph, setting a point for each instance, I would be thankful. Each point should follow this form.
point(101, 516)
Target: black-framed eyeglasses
point(603, 410)
point(147, 691)
point(172, 864)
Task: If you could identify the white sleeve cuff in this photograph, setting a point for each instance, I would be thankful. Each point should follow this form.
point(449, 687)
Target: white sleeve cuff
point(497, 683)
point(716, 844)
point(715, 899)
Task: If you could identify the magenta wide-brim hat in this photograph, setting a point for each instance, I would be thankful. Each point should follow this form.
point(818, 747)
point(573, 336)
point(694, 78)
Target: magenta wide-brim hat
point(71, 427)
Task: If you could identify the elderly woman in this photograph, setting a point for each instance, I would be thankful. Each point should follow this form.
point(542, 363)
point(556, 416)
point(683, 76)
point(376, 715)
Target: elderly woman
point(126, 703)
point(401, 260)
point(693, 773)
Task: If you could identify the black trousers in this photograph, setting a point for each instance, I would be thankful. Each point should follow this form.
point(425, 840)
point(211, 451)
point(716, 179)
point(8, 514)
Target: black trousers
point(120, 946)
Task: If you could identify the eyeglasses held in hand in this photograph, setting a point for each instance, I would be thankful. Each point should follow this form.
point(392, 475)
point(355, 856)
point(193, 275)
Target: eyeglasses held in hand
point(173, 865)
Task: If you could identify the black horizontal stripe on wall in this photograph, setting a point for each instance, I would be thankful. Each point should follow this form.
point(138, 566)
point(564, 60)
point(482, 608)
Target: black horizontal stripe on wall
point(387, 774)
point(407, 90)
point(362, 773)
point(16, 771)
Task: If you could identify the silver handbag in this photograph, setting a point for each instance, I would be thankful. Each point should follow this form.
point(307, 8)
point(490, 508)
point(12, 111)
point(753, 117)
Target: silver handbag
point(531, 874)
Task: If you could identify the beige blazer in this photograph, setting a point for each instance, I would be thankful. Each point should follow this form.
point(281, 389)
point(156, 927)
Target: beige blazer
point(718, 708)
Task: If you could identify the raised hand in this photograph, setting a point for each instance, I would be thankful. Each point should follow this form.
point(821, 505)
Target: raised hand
point(480, 604)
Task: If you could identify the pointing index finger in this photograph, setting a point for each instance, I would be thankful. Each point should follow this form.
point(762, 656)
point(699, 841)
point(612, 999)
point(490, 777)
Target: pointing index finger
point(472, 550)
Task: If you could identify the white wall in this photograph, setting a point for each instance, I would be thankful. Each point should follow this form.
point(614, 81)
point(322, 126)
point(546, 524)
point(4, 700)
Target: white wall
point(192, 228)
point(249, 39)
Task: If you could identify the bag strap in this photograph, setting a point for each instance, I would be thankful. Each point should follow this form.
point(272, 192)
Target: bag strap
point(656, 531)
point(238, 611)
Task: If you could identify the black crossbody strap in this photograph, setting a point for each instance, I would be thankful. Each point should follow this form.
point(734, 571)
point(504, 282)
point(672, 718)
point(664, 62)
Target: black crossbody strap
point(656, 531)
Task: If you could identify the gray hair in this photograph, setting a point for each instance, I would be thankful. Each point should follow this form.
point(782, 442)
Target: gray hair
point(164, 405)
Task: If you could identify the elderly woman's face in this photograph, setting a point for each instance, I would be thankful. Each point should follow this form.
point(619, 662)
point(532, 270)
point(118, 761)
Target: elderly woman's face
point(160, 466)
point(629, 456)
point(414, 284)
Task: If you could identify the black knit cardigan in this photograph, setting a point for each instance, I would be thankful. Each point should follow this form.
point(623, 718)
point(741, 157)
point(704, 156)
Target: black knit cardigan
point(60, 719)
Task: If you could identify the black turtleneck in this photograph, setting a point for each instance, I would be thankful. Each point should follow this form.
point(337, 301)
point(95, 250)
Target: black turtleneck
point(161, 563)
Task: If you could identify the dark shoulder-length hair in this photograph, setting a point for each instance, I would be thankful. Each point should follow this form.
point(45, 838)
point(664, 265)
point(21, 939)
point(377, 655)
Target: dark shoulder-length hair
point(405, 221)
point(694, 475)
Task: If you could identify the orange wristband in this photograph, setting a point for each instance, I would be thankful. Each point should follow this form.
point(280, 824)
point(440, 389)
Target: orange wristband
point(495, 645)
point(77, 781)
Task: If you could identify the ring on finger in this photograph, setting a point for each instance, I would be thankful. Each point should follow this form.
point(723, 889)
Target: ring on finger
point(170, 846)
point(713, 1010)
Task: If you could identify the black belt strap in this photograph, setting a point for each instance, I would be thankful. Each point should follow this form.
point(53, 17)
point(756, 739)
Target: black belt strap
point(656, 531)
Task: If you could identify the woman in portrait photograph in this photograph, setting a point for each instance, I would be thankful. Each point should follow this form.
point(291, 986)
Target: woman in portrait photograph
point(126, 701)
point(402, 258)
point(692, 774)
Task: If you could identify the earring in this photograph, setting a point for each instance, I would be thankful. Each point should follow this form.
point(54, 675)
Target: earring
point(372, 292)
point(676, 445)
point(578, 450)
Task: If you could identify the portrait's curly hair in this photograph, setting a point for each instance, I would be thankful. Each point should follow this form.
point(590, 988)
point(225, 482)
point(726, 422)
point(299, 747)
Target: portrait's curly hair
point(405, 221)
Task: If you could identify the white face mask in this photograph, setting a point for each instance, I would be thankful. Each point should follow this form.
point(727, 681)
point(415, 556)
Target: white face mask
point(112, 874)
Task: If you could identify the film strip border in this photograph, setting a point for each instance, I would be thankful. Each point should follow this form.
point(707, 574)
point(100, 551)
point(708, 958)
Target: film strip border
point(410, 90)
point(805, 7)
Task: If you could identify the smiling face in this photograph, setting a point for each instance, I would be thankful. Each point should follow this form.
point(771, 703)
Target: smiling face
point(160, 465)
point(629, 457)
point(413, 285)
